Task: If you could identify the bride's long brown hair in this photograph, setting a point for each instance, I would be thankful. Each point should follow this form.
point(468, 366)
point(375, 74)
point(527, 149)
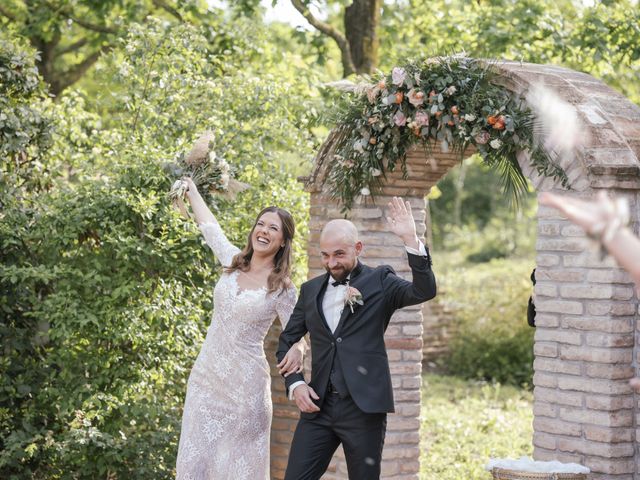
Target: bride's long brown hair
point(279, 276)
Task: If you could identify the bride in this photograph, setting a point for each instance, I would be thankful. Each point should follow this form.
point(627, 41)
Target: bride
point(227, 413)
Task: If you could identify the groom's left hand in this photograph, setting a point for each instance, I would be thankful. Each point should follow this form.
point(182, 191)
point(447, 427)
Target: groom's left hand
point(401, 222)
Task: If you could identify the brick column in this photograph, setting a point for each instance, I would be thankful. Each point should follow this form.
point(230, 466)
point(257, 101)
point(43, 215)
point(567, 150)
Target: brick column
point(584, 347)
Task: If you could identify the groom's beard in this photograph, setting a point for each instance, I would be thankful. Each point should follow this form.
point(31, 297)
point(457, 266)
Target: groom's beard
point(340, 272)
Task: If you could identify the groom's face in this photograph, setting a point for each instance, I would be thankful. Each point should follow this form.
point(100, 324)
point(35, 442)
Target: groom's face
point(339, 255)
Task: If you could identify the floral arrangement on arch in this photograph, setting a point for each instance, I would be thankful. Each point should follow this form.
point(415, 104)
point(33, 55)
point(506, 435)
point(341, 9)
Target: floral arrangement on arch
point(449, 102)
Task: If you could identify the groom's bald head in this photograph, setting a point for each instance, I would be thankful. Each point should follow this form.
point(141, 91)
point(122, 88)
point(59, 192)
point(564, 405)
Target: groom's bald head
point(340, 229)
point(339, 248)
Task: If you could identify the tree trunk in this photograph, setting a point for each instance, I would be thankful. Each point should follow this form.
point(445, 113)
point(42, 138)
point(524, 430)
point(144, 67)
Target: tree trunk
point(361, 21)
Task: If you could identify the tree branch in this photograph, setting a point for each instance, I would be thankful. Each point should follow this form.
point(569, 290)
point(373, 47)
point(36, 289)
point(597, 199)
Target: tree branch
point(323, 27)
point(71, 76)
point(91, 26)
point(74, 46)
point(165, 6)
point(84, 24)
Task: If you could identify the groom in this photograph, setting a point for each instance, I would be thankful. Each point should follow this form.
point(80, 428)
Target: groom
point(350, 391)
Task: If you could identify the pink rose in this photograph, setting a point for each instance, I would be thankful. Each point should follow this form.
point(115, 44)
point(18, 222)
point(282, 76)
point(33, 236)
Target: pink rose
point(398, 76)
point(482, 138)
point(399, 119)
point(416, 98)
point(372, 93)
point(422, 119)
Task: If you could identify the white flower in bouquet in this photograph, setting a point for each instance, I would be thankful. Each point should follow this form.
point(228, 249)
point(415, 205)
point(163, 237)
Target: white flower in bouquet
point(495, 143)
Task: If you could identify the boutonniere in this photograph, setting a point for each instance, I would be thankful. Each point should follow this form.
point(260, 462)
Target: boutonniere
point(353, 297)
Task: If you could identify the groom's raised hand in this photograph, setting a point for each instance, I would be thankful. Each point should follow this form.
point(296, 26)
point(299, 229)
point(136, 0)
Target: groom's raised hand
point(401, 222)
point(304, 396)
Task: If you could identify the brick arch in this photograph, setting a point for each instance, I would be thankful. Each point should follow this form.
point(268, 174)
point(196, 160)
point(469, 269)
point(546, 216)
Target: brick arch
point(587, 316)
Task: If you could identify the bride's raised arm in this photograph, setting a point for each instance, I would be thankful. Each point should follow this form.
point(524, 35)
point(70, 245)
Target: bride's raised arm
point(213, 234)
point(199, 207)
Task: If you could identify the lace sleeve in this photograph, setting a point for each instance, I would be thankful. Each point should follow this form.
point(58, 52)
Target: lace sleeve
point(222, 248)
point(285, 304)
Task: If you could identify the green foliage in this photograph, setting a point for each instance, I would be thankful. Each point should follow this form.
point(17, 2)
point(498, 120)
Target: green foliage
point(25, 129)
point(451, 103)
point(465, 423)
point(602, 39)
point(489, 301)
point(105, 291)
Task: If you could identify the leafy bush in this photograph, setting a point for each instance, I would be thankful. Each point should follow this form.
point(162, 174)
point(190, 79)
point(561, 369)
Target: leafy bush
point(489, 301)
point(105, 292)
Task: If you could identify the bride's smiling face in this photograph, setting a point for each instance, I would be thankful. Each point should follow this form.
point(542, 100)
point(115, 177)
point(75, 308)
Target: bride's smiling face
point(267, 237)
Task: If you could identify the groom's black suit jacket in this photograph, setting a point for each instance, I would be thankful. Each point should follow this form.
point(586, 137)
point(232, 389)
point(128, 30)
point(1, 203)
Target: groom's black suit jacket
point(358, 341)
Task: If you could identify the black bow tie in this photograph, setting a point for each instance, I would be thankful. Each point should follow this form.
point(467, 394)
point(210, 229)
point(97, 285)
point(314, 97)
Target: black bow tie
point(340, 282)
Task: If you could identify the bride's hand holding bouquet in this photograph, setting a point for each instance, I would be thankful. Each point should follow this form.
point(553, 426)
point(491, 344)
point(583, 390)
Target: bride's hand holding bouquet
point(206, 172)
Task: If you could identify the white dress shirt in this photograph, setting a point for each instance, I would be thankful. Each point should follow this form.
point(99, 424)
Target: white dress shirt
point(333, 303)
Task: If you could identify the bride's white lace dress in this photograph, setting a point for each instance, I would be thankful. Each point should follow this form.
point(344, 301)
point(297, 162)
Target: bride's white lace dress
point(227, 413)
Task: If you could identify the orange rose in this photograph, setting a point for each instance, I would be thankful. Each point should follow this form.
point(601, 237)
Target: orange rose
point(438, 114)
point(416, 131)
point(454, 110)
point(373, 140)
point(492, 119)
point(451, 123)
point(399, 97)
point(499, 123)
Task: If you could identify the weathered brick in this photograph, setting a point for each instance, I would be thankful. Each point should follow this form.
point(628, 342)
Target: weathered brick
point(609, 402)
point(547, 320)
point(547, 260)
point(611, 450)
point(619, 309)
point(546, 290)
point(608, 276)
point(545, 349)
point(544, 440)
point(620, 418)
point(572, 231)
point(599, 324)
point(542, 409)
point(558, 397)
point(560, 306)
point(609, 371)
point(600, 355)
point(611, 466)
point(548, 229)
point(560, 245)
point(563, 275)
point(545, 380)
point(557, 366)
point(600, 339)
point(587, 260)
point(609, 435)
point(593, 385)
point(586, 291)
point(555, 426)
point(558, 335)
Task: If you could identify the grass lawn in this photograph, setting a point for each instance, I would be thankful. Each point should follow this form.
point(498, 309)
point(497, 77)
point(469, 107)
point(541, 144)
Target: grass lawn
point(464, 423)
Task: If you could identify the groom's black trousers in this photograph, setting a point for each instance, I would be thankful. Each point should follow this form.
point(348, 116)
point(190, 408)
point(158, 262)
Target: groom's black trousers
point(339, 421)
